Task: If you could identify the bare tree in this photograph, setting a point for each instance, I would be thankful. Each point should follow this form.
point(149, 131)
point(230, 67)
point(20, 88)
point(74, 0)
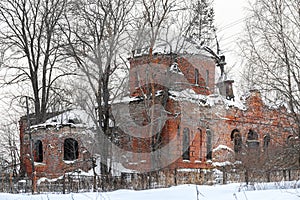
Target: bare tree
point(9, 148)
point(31, 36)
point(270, 49)
point(96, 37)
point(155, 13)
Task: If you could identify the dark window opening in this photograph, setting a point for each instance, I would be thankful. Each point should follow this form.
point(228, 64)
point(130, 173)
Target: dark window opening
point(38, 157)
point(290, 140)
point(196, 76)
point(252, 139)
point(70, 149)
point(186, 144)
point(233, 132)
point(252, 135)
point(237, 140)
point(208, 144)
point(267, 140)
point(74, 121)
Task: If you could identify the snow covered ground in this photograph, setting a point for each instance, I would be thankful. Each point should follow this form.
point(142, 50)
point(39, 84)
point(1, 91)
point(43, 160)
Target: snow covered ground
point(236, 191)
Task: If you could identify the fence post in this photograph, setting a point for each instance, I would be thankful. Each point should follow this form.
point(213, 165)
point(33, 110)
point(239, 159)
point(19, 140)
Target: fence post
point(284, 174)
point(64, 183)
point(10, 183)
point(2, 185)
point(175, 177)
point(224, 175)
point(269, 176)
point(246, 177)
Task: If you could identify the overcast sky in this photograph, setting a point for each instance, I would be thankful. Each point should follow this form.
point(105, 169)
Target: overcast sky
point(230, 16)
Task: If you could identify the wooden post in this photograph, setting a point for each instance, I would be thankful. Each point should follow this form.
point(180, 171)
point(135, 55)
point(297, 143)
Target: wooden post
point(64, 184)
point(224, 175)
point(10, 183)
point(175, 176)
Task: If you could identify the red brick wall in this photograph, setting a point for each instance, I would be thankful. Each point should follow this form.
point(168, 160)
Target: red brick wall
point(221, 121)
point(52, 139)
point(145, 70)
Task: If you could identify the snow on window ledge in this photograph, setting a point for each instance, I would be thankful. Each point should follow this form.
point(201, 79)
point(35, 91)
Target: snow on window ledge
point(39, 164)
point(69, 161)
point(186, 161)
point(132, 163)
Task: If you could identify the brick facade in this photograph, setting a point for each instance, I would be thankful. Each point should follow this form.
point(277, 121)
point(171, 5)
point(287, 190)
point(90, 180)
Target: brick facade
point(211, 128)
point(52, 163)
point(200, 129)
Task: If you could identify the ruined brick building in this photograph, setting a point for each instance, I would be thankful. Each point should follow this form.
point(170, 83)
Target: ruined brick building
point(204, 126)
point(199, 125)
point(57, 146)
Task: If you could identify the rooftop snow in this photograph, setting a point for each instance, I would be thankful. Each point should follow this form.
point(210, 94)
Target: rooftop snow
point(176, 44)
point(222, 147)
point(210, 100)
point(76, 118)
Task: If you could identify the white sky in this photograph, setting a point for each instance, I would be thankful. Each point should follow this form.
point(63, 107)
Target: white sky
point(230, 16)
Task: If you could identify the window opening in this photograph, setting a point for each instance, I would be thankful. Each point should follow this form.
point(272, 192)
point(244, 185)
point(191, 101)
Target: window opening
point(267, 140)
point(70, 149)
point(186, 144)
point(252, 139)
point(237, 140)
point(196, 76)
point(208, 144)
point(38, 157)
point(290, 140)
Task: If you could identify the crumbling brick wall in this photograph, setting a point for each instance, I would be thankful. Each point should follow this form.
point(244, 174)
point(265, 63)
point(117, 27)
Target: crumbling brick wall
point(52, 138)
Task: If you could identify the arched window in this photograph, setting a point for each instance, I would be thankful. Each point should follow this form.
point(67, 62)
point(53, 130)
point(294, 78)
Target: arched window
point(208, 144)
point(186, 144)
point(196, 76)
point(237, 140)
point(252, 139)
point(267, 140)
point(38, 150)
point(290, 140)
point(233, 133)
point(70, 149)
point(252, 135)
